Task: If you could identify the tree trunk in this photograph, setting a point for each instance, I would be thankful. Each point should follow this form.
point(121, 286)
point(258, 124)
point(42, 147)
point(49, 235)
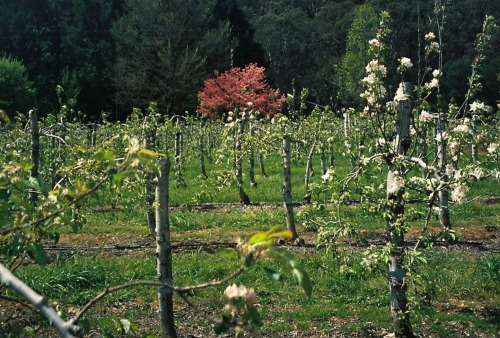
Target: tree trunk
point(237, 162)
point(178, 154)
point(251, 160)
point(308, 174)
point(35, 152)
point(164, 253)
point(201, 147)
point(474, 144)
point(260, 158)
point(323, 162)
point(287, 186)
point(442, 162)
point(149, 132)
point(395, 223)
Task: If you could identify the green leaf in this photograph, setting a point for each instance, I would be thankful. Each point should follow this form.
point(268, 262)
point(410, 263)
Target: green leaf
point(303, 280)
point(227, 253)
point(38, 253)
point(103, 156)
point(272, 274)
point(267, 237)
point(290, 262)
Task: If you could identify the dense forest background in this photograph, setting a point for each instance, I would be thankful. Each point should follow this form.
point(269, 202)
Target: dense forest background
point(111, 55)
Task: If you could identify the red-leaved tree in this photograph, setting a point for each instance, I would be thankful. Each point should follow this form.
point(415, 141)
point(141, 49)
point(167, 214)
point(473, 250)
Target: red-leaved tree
point(239, 88)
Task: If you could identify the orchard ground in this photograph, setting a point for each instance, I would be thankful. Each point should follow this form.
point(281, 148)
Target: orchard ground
point(459, 297)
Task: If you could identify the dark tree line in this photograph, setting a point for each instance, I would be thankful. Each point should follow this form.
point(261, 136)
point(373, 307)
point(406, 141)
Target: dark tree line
point(112, 55)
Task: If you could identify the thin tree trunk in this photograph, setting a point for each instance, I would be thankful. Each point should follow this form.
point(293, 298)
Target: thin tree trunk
point(201, 146)
point(395, 223)
point(35, 152)
point(442, 159)
point(260, 158)
point(287, 186)
point(323, 161)
point(178, 154)
point(237, 162)
point(331, 157)
point(149, 187)
point(474, 144)
point(307, 175)
point(251, 160)
point(164, 253)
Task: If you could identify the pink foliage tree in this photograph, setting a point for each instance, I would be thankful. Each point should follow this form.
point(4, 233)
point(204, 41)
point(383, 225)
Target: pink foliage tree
point(239, 88)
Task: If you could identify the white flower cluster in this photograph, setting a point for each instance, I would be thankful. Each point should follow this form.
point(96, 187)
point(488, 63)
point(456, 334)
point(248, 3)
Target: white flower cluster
point(462, 128)
point(476, 105)
point(375, 89)
point(442, 136)
point(328, 176)
point(430, 36)
point(406, 62)
point(375, 43)
point(458, 193)
point(492, 148)
point(425, 116)
point(395, 184)
point(400, 94)
point(234, 291)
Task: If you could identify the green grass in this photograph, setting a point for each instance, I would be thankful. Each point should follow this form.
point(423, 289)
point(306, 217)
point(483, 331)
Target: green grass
point(358, 294)
point(460, 284)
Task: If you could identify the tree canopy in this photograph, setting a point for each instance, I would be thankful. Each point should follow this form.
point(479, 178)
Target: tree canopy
point(119, 54)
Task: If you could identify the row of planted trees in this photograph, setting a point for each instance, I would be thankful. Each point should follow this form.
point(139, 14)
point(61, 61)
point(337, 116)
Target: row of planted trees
point(427, 149)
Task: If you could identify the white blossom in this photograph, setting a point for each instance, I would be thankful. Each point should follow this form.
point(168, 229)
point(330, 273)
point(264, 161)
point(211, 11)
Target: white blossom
point(462, 128)
point(395, 184)
point(476, 105)
point(437, 73)
point(406, 62)
point(441, 136)
point(492, 148)
point(430, 36)
point(424, 116)
point(458, 193)
point(370, 79)
point(454, 144)
point(327, 177)
point(477, 173)
point(234, 291)
point(400, 94)
point(433, 84)
point(374, 43)
point(433, 47)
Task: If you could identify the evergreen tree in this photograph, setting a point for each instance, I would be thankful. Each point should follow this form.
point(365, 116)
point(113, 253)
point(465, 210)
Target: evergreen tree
point(16, 90)
point(164, 52)
point(352, 68)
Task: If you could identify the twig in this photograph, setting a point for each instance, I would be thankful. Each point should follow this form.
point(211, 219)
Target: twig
point(178, 290)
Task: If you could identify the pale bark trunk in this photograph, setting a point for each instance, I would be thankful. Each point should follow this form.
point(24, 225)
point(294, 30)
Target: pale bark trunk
point(308, 174)
point(474, 144)
point(237, 163)
point(442, 159)
point(35, 151)
point(178, 154)
point(149, 186)
point(201, 146)
point(395, 223)
point(164, 253)
point(287, 186)
point(251, 160)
